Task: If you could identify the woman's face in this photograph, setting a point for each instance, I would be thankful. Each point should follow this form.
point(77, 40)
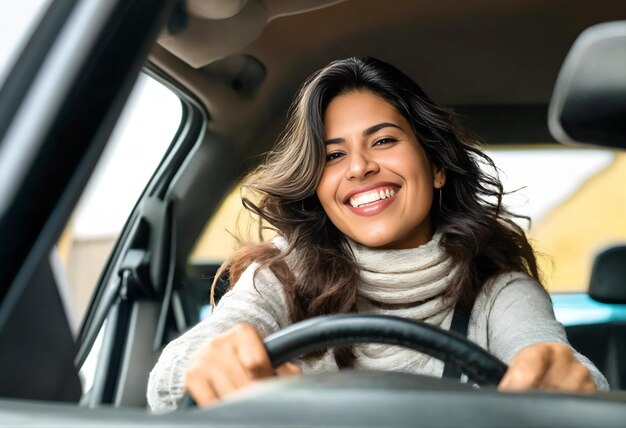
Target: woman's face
point(377, 185)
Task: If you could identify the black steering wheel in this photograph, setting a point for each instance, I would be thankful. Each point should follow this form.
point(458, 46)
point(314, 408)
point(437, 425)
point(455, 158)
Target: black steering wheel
point(348, 329)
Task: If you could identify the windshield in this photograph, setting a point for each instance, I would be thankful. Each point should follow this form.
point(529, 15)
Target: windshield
point(559, 189)
point(564, 191)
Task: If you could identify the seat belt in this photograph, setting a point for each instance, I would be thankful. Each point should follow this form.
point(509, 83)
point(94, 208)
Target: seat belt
point(459, 325)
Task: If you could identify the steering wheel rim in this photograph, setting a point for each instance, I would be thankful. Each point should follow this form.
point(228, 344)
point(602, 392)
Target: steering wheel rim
point(349, 329)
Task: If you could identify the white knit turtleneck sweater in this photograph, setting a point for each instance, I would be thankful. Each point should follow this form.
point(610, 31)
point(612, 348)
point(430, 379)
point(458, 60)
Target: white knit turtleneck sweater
point(511, 312)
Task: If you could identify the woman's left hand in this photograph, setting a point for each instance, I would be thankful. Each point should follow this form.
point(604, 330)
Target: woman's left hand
point(550, 366)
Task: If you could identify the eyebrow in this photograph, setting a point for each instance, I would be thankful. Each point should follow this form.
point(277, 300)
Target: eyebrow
point(369, 131)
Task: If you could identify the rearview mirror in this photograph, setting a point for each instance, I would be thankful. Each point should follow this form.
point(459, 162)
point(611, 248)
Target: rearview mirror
point(588, 105)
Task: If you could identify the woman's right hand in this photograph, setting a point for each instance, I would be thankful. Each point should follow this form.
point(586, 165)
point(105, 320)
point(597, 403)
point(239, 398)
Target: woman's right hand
point(229, 363)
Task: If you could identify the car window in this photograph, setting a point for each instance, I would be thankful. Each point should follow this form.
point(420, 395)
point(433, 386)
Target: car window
point(560, 189)
point(143, 133)
point(566, 193)
point(227, 228)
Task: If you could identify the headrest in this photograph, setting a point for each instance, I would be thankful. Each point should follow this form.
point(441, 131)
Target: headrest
point(608, 276)
point(588, 105)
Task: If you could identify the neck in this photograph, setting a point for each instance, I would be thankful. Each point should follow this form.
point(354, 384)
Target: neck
point(418, 237)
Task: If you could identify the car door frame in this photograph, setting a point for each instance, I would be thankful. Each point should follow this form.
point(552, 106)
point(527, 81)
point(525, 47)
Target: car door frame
point(133, 305)
point(58, 107)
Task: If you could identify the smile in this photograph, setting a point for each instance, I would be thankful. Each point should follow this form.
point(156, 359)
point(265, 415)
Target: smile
point(371, 200)
point(372, 196)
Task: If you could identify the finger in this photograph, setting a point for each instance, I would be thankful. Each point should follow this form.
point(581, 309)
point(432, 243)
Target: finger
point(589, 387)
point(288, 369)
point(562, 374)
point(252, 353)
point(566, 373)
point(520, 377)
point(215, 372)
point(526, 370)
point(576, 379)
point(222, 381)
point(230, 365)
point(201, 391)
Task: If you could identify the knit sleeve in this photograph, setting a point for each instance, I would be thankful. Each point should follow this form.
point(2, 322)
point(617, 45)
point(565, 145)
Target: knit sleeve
point(256, 300)
point(521, 314)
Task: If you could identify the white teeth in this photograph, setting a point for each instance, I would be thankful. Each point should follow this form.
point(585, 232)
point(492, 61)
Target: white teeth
point(372, 196)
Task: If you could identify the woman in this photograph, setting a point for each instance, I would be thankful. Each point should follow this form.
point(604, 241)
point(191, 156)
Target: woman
point(381, 207)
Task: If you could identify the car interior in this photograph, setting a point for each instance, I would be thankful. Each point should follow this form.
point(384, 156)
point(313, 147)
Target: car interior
point(603, 343)
point(236, 65)
point(579, 108)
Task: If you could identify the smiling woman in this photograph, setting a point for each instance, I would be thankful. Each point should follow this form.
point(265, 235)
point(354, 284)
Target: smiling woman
point(381, 206)
point(389, 151)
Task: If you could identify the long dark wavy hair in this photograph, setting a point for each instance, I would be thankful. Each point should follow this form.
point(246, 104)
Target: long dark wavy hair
point(322, 276)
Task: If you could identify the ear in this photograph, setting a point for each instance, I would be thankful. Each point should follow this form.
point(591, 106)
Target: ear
point(439, 177)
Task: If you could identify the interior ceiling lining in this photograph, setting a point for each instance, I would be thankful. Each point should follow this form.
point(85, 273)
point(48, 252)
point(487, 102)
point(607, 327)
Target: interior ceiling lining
point(207, 39)
point(480, 57)
point(482, 52)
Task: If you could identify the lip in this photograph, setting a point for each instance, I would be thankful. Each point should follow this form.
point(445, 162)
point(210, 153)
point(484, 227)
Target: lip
point(368, 187)
point(372, 209)
point(376, 207)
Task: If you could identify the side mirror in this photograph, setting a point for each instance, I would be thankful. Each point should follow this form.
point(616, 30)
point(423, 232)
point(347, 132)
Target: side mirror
point(588, 105)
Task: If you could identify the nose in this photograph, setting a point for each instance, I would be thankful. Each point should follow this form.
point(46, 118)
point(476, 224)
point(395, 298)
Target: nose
point(360, 165)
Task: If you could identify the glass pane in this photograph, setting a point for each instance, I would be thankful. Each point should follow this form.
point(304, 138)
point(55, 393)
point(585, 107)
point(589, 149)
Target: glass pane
point(223, 231)
point(561, 190)
point(87, 372)
point(142, 135)
point(568, 194)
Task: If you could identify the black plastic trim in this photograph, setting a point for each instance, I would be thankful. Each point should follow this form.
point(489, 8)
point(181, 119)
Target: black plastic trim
point(75, 139)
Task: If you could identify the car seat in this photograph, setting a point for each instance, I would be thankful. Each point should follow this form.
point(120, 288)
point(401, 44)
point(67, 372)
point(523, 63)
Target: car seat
point(605, 343)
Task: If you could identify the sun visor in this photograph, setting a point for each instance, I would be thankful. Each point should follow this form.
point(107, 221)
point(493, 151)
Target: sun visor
point(215, 9)
point(588, 105)
point(215, 29)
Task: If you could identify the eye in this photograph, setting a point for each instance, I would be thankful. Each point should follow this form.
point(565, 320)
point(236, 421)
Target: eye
point(333, 155)
point(385, 140)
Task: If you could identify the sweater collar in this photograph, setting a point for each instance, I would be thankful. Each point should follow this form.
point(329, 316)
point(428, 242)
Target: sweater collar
point(403, 276)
